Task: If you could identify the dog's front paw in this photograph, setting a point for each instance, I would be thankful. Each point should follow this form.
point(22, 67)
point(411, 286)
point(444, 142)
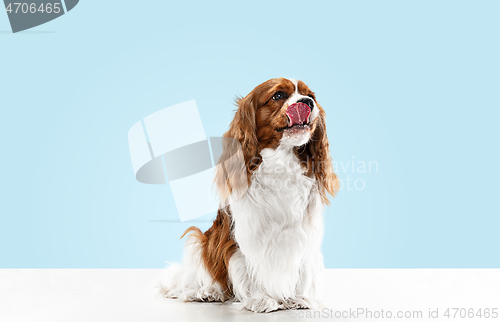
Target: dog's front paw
point(263, 304)
point(306, 302)
point(170, 294)
point(297, 303)
point(208, 294)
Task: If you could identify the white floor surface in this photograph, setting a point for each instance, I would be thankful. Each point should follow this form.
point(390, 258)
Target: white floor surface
point(122, 295)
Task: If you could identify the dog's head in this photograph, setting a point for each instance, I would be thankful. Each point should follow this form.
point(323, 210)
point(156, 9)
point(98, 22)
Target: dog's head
point(278, 112)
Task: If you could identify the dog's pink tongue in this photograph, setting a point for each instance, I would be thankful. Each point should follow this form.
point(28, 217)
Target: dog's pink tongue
point(298, 113)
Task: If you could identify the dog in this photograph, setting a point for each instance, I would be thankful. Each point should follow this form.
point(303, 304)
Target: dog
point(264, 247)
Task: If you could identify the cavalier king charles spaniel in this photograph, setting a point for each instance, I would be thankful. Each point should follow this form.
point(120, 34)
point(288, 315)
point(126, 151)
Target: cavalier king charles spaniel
point(264, 247)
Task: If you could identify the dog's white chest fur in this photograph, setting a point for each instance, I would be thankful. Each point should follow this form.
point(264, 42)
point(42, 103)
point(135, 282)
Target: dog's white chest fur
point(279, 193)
point(278, 228)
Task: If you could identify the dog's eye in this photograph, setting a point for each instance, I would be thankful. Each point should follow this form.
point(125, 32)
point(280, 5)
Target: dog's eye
point(279, 96)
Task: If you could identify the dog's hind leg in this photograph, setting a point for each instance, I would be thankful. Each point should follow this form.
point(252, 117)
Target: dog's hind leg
point(191, 280)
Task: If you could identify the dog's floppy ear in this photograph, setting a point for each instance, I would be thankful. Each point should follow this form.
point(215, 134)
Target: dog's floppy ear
point(244, 129)
point(321, 166)
point(239, 156)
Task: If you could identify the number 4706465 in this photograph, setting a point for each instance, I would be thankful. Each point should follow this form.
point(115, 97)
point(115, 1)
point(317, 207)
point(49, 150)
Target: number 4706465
point(471, 313)
point(20, 7)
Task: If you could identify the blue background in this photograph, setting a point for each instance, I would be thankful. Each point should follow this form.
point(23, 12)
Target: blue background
point(413, 86)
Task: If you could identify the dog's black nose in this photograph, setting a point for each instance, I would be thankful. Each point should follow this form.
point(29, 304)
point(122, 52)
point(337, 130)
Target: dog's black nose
point(308, 101)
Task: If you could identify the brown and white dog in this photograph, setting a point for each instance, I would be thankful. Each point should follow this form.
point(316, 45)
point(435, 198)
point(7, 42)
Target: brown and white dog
point(264, 247)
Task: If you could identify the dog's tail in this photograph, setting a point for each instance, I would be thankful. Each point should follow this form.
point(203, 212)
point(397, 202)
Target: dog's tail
point(180, 281)
point(193, 280)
